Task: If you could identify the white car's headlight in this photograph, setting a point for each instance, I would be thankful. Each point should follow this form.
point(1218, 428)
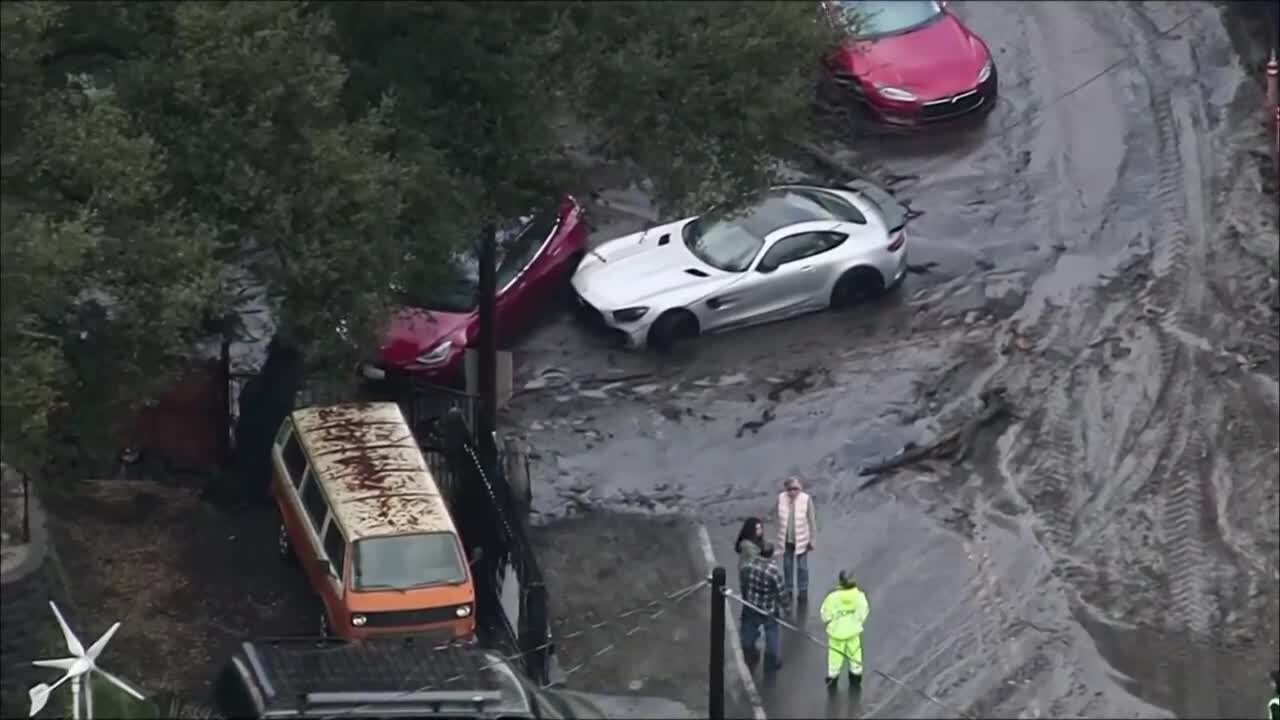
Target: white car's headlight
point(437, 354)
point(985, 72)
point(894, 93)
point(463, 611)
point(359, 620)
point(630, 314)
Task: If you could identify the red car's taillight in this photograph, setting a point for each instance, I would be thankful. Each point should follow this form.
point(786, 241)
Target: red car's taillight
point(898, 241)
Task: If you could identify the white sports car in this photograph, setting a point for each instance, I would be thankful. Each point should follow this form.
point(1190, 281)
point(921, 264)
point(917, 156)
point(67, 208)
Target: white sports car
point(792, 249)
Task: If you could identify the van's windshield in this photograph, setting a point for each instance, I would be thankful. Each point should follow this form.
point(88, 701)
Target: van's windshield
point(403, 562)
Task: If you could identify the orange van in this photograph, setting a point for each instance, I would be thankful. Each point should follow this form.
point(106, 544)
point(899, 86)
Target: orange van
point(362, 514)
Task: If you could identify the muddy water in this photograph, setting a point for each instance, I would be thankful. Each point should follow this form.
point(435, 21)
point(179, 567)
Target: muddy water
point(1113, 551)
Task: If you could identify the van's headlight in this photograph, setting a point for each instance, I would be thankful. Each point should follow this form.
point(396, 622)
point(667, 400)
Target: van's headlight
point(437, 354)
point(630, 314)
point(359, 620)
point(462, 611)
point(985, 72)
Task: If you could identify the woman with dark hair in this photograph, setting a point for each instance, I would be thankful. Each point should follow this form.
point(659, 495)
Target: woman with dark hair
point(750, 539)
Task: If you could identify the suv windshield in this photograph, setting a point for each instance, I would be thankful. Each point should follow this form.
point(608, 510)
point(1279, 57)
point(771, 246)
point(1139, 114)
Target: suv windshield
point(729, 237)
point(517, 247)
point(402, 562)
point(874, 18)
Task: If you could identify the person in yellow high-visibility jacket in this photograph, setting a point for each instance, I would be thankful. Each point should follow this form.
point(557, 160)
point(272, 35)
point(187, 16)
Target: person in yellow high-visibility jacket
point(844, 612)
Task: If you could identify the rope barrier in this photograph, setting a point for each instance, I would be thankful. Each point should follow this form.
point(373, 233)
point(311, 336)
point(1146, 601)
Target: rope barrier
point(951, 709)
point(658, 607)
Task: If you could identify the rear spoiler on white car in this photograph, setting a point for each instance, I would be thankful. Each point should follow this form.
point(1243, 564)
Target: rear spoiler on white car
point(895, 213)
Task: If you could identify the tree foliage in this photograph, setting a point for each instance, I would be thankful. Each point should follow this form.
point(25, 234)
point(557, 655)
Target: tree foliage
point(154, 154)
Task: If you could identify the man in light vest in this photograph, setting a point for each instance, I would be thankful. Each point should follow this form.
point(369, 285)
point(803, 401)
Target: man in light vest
point(797, 524)
point(844, 613)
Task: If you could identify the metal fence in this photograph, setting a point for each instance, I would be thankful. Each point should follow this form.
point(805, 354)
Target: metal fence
point(471, 472)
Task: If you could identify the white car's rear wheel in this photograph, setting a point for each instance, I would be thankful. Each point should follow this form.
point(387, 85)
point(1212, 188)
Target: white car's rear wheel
point(671, 328)
point(857, 286)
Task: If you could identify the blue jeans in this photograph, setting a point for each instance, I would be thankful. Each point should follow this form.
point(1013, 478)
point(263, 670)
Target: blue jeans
point(795, 566)
point(752, 623)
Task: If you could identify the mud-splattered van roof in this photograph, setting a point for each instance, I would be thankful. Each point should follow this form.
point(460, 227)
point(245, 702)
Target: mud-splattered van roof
point(371, 470)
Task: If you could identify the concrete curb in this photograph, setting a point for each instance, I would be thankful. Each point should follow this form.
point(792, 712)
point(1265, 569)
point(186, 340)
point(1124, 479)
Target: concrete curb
point(735, 645)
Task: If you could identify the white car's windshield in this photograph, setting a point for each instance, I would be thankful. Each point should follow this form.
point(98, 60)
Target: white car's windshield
point(873, 18)
point(728, 238)
point(401, 562)
point(724, 245)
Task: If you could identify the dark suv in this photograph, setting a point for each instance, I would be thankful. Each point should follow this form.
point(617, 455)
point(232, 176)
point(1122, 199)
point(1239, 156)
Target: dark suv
point(326, 678)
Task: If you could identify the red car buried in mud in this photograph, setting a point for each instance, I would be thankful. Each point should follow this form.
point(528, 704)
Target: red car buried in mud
point(428, 337)
point(908, 63)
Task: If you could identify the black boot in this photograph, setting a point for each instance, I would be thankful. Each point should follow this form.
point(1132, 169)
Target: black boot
point(855, 680)
point(803, 597)
point(831, 683)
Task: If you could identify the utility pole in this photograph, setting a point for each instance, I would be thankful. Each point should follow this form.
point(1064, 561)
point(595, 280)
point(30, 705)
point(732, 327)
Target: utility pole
point(716, 669)
point(487, 362)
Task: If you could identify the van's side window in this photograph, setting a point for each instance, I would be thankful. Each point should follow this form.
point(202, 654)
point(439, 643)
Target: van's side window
point(294, 461)
point(313, 501)
point(335, 546)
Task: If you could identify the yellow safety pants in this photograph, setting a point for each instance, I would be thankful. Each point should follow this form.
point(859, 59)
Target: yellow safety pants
point(839, 651)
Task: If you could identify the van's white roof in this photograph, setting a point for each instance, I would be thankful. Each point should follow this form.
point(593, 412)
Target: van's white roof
point(372, 470)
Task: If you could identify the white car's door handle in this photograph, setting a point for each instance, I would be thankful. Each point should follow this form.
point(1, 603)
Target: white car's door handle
point(806, 268)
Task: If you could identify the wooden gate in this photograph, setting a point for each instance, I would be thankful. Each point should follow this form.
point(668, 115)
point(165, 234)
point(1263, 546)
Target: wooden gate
point(187, 427)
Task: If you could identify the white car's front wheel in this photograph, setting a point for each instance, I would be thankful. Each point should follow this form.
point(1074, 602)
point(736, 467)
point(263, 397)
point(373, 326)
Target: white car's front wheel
point(672, 327)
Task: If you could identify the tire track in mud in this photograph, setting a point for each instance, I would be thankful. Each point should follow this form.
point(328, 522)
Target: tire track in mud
point(1068, 457)
point(1174, 429)
point(1062, 453)
point(1052, 449)
point(1052, 459)
point(1176, 264)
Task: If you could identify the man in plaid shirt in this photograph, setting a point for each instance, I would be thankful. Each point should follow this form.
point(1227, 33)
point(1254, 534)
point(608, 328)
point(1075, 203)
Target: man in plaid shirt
point(762, 590)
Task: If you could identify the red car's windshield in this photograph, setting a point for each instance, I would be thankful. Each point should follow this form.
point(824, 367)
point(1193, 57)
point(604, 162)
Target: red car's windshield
point(874, 18)
point(458, 292)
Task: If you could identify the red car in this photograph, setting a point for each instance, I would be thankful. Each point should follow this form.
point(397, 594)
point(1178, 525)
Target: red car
point(427, 338)
point(909, 63)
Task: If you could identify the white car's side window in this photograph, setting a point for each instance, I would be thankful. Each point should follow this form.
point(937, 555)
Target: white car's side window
point(799, 247)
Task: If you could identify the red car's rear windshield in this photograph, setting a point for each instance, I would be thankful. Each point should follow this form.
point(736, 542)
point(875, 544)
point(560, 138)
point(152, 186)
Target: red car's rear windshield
point(875, 18)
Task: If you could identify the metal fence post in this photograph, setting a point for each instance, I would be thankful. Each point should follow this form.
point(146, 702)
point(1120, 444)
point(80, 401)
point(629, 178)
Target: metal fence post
point(536, 633)
point(716, 702)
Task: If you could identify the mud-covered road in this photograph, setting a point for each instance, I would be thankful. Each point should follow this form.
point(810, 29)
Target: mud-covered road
point(1101, 248)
